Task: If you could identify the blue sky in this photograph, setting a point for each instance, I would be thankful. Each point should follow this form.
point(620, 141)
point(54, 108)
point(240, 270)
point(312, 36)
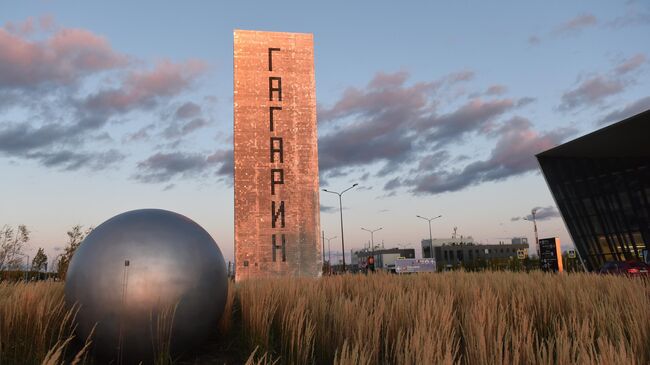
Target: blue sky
point(433, 108)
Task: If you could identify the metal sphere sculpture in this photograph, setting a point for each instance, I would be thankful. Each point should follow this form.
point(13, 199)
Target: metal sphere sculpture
point(149, 280)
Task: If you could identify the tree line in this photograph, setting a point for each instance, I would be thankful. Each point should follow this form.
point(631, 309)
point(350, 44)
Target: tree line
point(14, 241)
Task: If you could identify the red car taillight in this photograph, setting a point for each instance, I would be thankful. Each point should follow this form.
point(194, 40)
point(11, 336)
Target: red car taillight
point(632, 271)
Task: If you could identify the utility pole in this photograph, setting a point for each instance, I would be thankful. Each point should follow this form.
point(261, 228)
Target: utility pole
point(533, 212)
point(371, 259)
point(27, 267)
point(372, 237)
point(341, 211)
point(329, 251)
point(430, 235)
point(323, 241)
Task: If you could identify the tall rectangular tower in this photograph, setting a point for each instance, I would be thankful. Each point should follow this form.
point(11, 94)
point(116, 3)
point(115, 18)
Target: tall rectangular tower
point(277, 207)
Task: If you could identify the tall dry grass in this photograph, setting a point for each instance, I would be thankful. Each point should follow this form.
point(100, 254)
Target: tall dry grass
point(161, 326)
point(449, 318)
point(35, 325)
point(229, 311)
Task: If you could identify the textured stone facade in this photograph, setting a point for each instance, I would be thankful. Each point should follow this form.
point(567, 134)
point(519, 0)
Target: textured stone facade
point(276, 156)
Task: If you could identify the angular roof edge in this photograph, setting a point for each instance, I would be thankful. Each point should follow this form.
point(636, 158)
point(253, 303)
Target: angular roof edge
point(627, 138)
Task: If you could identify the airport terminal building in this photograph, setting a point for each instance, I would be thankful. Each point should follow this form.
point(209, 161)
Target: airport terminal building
point(601, 185)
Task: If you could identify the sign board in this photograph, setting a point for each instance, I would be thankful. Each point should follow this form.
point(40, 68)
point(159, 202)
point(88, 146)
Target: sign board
point(277, 207)
point(403, 266)
point(522, 254)
point(550, 254)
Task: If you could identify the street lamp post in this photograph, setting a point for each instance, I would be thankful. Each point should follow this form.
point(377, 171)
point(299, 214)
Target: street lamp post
point(329, 249)
point(323, 241)
point(329, 253)
point(341, 212)
point(372, 237)
point(372, 240)
point(430, 235)
point(533, 212)
point(27, 265)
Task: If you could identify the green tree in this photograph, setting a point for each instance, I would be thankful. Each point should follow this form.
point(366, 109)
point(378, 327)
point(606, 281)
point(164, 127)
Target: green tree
point(12, 242)
point(39, 263)
point(75, 237)
point(571, 264)
point(514, 264)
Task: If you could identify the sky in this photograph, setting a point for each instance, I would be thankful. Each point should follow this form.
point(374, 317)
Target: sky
point(433, 108)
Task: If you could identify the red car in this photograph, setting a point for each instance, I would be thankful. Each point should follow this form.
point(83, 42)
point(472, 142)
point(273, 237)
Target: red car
point(630, 268)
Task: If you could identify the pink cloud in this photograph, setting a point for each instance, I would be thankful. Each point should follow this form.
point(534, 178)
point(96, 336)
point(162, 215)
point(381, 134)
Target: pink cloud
point(29, 26)
point(591, 92)
point(496, 90)
point(26, 27)
point(47, 23)
point(513, 154)
point(65, 57)
point(519, 143)
point(631, 64)
point(387, 80)
point(71, 83)
point(143, 89)
point(576, 24)
point(167, 78)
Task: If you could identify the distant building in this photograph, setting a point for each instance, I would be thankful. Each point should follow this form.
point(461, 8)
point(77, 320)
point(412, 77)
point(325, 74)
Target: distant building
point(601, 185)
point(427, 245)
point(455, 251)
point(384, 259)
point(519, 240)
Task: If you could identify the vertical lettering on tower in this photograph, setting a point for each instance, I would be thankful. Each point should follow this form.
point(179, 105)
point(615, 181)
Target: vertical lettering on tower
point(277, 208)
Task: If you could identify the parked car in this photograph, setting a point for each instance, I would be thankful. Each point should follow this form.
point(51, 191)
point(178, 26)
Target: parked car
point(630, 268)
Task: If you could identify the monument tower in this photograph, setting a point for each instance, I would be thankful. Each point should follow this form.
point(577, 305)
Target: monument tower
point(277, 208)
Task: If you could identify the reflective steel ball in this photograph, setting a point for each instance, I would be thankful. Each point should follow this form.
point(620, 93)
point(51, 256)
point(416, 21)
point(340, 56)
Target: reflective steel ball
point(144, 277)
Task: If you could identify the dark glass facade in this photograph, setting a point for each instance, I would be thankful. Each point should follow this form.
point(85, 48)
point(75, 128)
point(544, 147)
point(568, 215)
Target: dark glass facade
point(603, 190)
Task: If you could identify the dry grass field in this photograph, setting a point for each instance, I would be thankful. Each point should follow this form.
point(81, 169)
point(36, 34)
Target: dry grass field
point(448, 318)
point(35, 325)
